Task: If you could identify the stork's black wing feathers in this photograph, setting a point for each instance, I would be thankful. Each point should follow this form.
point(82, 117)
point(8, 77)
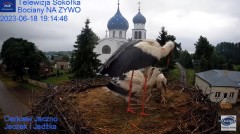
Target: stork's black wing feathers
point(116, 88)
point(116, 55)
point(132, 58)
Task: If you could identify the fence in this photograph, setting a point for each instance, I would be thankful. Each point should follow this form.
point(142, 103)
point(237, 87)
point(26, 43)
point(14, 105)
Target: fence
point(37, 83)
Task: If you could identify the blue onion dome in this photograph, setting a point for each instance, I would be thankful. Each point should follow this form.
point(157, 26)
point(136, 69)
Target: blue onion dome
point(139, 18)
point(118, 22)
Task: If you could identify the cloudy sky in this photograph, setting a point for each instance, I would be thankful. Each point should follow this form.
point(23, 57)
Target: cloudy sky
point(218, 20)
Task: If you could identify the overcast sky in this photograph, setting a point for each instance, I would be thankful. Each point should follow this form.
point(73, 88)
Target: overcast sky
point(218, 20)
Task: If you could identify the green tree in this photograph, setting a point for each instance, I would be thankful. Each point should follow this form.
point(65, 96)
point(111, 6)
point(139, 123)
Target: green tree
point(185, 59)
point(230, 51)
point(203, 53)
point(217, 60)
point(162, 39)
point(66, 58)
point(18, 54)
point(84, 60)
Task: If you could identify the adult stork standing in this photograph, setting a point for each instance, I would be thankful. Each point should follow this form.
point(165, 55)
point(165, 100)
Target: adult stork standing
point(133, 56)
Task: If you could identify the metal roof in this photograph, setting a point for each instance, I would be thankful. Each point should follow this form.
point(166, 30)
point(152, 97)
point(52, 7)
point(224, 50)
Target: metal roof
point(223, 78)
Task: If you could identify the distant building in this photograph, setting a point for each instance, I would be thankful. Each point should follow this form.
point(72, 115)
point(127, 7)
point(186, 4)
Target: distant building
point(60, 62)
point(58, 58)
point(45, 69)
point(63, 65)
point(219, 84)
point(117, 28)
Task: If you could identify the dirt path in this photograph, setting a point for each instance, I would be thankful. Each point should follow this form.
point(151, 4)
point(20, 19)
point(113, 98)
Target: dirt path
point(9, 104)
point(183, 73)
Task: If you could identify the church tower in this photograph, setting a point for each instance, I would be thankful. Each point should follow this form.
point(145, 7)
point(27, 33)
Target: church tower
point(139, 21)
point(118, 25)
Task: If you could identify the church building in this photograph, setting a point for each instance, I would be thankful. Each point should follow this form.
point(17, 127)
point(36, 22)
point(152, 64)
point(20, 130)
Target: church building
point(117, 28)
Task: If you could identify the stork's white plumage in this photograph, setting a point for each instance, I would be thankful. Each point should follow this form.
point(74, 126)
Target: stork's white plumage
point(155, 80)
point(133, 56)
point(138, 80)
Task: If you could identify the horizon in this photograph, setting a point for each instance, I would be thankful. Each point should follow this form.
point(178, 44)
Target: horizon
point(187, 20)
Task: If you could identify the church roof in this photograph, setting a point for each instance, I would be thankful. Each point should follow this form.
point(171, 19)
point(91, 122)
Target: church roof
point(118, 22)
point(139, 18)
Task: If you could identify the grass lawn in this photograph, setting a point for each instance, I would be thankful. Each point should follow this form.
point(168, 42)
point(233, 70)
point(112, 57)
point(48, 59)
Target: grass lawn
point(190, 74)
point(175, 73)
point(24, 91)
point(236, 67)
point(57, 80)
point(7, 80)
point(9, 83)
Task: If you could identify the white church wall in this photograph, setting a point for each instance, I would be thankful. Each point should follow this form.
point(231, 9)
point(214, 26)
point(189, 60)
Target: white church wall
point(139, 26)
point(116, 34)
point(143, 33)
point(114, 44)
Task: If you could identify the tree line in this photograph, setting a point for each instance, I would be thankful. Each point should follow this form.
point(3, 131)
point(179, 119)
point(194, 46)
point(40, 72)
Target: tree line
point(22, 57)
point(230, 51)
point(223, 56)
point(18, 54)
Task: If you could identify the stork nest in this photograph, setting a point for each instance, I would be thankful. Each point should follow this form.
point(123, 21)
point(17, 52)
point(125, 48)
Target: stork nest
point(83, 107)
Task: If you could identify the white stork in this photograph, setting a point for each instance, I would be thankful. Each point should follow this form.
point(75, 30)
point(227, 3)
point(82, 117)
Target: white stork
point(133, 56)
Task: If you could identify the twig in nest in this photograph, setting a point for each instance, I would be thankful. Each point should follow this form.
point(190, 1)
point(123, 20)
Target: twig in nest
point(133, 125)
point(64, 118)
point(195, 130)
point(179, 128)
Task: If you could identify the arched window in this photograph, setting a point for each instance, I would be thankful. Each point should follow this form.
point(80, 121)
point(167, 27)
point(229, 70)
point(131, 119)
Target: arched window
point(113, 33)
point(106, 49)
point(120, 34)
point(139, 35)
point(135, 35)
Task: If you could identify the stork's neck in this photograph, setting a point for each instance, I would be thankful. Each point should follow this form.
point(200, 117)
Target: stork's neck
point(150, 82)
point(152, 78)
point(153, 48)
point(165, 50)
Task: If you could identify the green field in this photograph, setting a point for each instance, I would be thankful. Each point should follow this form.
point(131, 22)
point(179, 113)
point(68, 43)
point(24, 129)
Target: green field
point(236, 67)
point(190, 74)
point(57, 80)
point(24, 91)
point(6, 78)
point(175, 73)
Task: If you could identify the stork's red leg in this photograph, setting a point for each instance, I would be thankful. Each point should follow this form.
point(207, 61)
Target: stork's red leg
point(143, 97)
point(129, 109)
